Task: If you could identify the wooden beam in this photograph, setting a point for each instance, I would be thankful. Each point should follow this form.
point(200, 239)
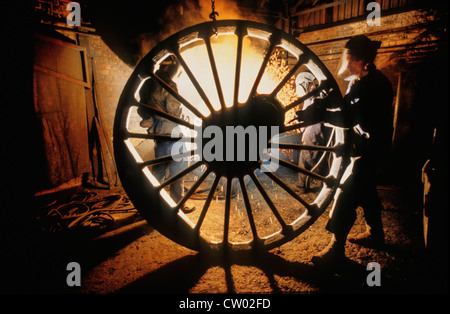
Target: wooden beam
point(61, 76)
point(320, 7)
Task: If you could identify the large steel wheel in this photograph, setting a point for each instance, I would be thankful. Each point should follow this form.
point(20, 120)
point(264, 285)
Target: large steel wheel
point(232, 73)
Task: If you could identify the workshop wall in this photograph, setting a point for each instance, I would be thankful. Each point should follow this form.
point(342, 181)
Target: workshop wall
point(77, 131)
point(77, 83)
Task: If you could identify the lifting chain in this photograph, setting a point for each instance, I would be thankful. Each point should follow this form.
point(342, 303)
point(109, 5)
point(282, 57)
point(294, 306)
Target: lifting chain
point(213, 15)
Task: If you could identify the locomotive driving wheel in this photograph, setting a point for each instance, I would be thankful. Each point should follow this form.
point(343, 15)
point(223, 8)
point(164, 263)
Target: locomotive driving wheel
point(236, 74)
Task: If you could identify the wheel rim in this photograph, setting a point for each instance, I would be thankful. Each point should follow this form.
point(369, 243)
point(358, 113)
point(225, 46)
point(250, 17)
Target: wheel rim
point(239, 206)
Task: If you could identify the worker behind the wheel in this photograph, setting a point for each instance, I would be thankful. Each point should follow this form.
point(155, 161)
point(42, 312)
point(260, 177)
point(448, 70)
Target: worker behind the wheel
point(154, 95)
point(316, 134)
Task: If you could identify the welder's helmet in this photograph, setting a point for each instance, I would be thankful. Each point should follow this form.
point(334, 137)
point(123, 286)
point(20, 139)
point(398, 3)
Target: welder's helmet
point(170, 65)
point(304, 82)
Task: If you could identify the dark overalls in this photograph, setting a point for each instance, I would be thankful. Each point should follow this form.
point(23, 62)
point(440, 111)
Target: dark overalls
point(154, 94)
point(368, 104)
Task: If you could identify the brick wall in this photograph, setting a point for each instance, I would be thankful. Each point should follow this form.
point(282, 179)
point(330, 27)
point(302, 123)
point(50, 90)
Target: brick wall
point(111, 75)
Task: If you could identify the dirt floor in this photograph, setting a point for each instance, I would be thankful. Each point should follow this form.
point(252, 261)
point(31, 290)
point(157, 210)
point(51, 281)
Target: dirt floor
point(129, 256)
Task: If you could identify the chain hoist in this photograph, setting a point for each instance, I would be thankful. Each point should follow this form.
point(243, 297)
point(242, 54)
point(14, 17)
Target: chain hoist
point(213, 15)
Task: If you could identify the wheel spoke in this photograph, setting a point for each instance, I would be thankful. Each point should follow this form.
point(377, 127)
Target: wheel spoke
point(268, 201)
point(168, 158)
point(226, 225)
point(248, 208)
point(167, 115)
point(301, 60)
point(285, 187)
point(180, 174)
point(194, 188)
point(240, 33)
point(294, 167)
point(335, 149)
point(212, 62)
point(176, 95)
point(194, 81)
point(308, 95)
point(161, 137)
point(274, 40)
point(201, 218)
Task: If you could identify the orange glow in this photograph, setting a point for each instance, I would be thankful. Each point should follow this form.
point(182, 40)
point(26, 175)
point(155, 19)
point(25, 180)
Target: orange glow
point(224, 48)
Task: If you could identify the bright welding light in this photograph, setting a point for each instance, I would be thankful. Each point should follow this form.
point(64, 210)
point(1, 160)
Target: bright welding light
point(224, 49)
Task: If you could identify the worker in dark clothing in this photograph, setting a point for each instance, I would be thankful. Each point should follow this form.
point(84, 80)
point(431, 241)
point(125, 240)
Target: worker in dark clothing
point(154, 95)
point(367, 110)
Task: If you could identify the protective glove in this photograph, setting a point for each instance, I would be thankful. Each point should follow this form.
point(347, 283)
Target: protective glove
point(313, 114)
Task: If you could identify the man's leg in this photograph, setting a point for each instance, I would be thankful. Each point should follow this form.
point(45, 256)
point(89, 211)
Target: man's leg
point(306, 160)
point(372, 206)
point(342, 217)
point(177, 187)
point(159, 171)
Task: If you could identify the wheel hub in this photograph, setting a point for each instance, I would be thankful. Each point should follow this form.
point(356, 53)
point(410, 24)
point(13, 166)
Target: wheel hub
point(245, 131)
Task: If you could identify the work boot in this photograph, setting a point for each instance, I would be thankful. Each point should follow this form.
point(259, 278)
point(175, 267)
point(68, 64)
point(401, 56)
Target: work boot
point(369, 238)
point(146, 123)
point(188, 207)
point(332, 255)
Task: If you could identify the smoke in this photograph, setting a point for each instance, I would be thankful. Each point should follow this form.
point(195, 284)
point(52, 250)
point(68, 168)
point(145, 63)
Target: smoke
point(187, 13)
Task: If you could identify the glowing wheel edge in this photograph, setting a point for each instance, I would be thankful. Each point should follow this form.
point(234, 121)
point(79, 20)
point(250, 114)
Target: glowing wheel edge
point(145, 191)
